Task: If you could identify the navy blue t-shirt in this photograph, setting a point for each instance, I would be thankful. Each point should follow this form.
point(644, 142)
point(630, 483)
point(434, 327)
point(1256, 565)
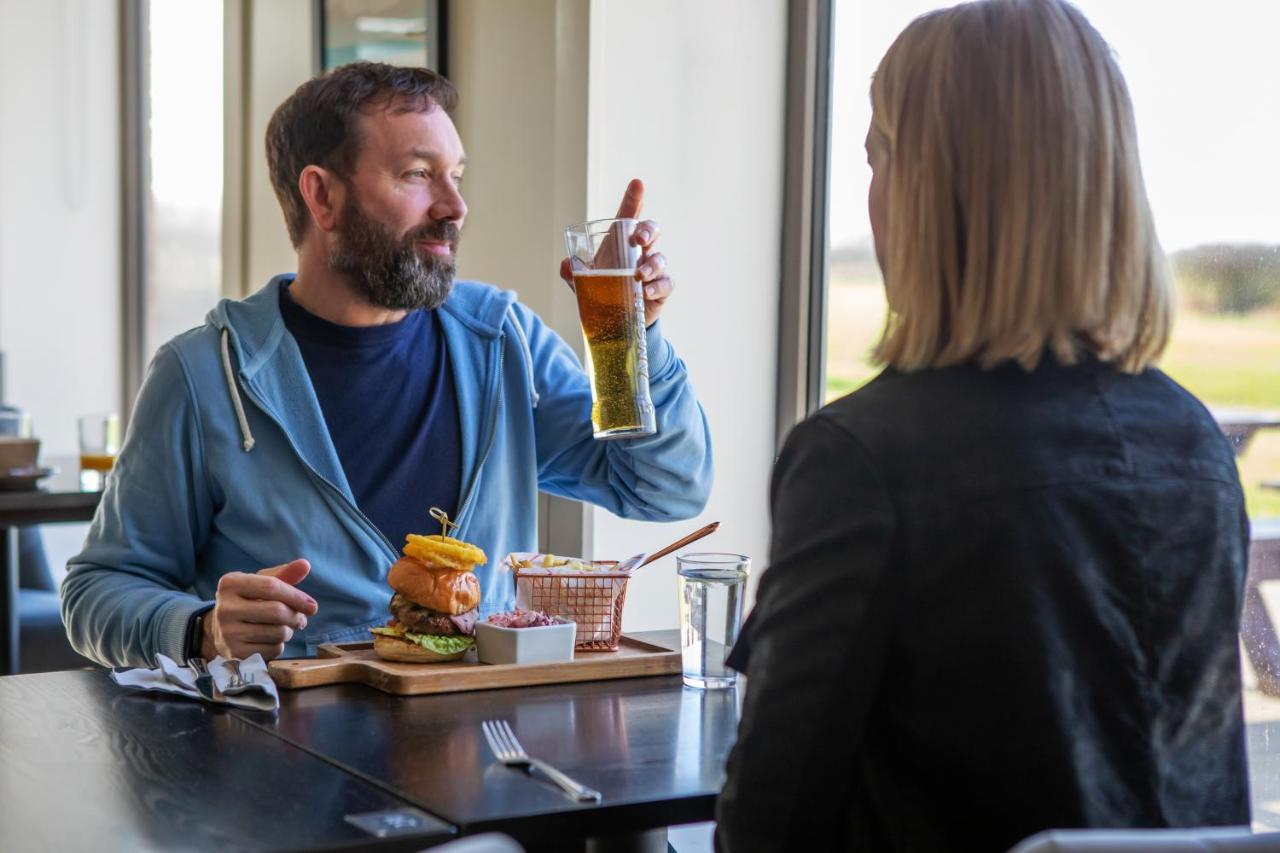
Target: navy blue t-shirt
point(388, 399)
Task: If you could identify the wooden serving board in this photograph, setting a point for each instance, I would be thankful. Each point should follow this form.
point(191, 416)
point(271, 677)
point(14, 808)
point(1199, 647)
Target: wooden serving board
point(339, 663)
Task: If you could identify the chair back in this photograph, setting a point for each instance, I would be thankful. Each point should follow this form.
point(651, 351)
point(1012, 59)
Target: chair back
point(1215, 839)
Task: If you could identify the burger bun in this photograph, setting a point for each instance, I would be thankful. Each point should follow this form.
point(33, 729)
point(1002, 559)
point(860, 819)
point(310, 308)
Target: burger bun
point(436, 588)
point(394, 648)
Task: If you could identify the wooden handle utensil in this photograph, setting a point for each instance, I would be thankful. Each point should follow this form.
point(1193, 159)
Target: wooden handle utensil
point(680, 543)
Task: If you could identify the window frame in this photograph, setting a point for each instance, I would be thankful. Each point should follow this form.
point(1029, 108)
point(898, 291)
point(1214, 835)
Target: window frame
point(135, 157)
point(806, 182)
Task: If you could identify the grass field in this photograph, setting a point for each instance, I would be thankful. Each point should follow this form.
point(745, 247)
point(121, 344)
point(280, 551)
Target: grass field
point(1224, 360)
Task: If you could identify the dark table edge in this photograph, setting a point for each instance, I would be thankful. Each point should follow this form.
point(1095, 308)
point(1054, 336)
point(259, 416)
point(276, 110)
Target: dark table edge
point(406, 843)
point(604, 819)
point(601, 821)
point(58, 509)
point(257, 720)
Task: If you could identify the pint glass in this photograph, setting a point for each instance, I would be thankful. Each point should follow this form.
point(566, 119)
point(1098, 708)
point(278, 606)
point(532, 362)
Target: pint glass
point(711, 589)
point(611, 310)
point(99, 444)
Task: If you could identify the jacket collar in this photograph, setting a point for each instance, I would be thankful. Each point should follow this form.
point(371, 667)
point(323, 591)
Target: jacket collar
point(257, 327)
point(260, 340)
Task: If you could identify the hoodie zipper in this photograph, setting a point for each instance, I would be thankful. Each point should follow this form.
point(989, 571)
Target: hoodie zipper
point(494, 391)
point(495, 386)
point(316, 476)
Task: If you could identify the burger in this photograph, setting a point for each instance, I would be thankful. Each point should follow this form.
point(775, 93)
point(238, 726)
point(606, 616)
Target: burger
point(433, 609)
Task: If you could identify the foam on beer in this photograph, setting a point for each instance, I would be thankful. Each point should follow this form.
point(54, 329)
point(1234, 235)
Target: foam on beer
point(602, 273)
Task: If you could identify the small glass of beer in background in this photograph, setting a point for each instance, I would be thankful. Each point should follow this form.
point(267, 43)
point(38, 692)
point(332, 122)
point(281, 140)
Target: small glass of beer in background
point(611, 310)
point(99, 444)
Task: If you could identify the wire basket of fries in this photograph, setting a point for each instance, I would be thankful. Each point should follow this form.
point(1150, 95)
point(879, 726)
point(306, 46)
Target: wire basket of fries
point(585, 591)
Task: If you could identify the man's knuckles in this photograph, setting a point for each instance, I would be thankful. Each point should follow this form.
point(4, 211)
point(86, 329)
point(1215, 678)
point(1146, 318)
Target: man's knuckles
point(231, 582)
point(268, 634)
point(267, 588)
point(646, 233)
point(276, 613)
point(653, 267)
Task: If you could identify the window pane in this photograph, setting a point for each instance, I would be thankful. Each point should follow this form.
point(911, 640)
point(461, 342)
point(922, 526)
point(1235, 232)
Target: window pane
point(184, 213)
point(1208, 122)
point(864, 29)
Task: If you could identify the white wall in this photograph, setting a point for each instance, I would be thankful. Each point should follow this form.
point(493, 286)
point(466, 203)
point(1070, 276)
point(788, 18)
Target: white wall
point(280, 52)
point(523, 120)
point(60, 212)
point(60, 219)
point(525, 170)
point(563, 101)
point(696, 110)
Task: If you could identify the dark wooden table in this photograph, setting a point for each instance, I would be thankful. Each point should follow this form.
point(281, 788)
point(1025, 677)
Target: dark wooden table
point(87, 765)
point(57, 499)
point(655, 749)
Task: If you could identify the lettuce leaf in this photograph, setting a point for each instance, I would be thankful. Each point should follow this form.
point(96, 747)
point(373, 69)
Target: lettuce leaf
point(438, 643)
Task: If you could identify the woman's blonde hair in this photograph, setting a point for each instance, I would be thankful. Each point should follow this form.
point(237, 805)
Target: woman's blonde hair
point(1017, 217)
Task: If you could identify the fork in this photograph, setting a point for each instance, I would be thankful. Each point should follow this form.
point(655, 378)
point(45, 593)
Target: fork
point(236, 680)
point(508, 751)
point(205, 685)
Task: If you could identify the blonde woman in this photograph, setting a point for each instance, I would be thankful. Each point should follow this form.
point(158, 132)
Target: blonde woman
point(1005, 575)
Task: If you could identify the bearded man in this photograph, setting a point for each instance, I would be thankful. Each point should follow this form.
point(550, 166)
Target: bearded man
point(278, 454)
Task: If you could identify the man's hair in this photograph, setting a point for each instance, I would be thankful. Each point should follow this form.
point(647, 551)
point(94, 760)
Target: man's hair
point(1018, 221)
point(319, 124)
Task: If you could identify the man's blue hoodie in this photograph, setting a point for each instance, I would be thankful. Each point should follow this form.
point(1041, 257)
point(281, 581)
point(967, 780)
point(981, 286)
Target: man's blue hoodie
point(228, 466)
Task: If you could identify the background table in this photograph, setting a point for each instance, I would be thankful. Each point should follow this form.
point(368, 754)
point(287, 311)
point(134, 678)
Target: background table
point(1239, 425)
point(1258, 629)
point(58, 499)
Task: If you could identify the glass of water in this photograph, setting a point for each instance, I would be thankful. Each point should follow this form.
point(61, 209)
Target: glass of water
point(711, 590)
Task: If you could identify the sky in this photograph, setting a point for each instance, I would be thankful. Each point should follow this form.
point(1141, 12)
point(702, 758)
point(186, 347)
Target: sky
point(1205, 82)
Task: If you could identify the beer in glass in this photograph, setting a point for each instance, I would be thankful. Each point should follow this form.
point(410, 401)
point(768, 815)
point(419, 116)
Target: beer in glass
point(611, 310)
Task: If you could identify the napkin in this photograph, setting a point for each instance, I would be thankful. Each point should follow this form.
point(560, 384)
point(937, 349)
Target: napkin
point(260, 694)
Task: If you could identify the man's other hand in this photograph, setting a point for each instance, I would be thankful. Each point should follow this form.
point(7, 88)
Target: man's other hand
point(652, 269)
point(257, 612)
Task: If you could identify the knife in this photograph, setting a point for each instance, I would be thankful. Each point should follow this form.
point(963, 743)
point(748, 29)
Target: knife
point(204, 681)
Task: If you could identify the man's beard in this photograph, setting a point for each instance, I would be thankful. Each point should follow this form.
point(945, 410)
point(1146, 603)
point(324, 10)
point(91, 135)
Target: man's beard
point(391, 273)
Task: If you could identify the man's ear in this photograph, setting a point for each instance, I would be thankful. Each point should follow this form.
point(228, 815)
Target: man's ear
point(324, 193)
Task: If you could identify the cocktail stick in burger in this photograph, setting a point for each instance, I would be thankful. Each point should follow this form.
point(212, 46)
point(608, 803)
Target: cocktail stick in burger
point(434, 606)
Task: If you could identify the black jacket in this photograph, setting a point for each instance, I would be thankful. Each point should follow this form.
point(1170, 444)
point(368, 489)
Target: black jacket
point(997, 602)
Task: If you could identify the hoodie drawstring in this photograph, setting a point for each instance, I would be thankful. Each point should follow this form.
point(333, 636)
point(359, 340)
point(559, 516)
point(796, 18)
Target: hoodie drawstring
point(234, 391)
point(528, 359)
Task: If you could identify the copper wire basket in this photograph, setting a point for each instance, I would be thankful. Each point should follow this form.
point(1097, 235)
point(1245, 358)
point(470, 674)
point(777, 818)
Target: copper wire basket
point(591, 599)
